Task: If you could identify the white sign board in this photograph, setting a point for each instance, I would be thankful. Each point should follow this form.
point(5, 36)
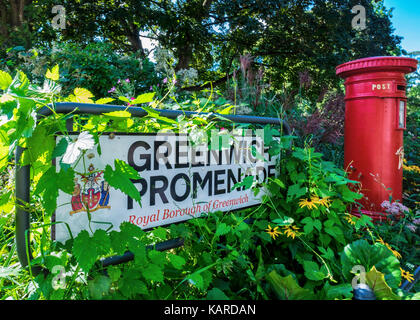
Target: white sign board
point(178, 181)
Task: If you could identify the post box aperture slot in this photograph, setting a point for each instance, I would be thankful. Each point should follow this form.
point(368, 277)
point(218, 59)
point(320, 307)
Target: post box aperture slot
point(401, 114)
point(400, 88)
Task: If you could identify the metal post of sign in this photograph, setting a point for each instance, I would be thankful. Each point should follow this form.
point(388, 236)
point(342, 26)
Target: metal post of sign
point(22, 216)
point(23, 173)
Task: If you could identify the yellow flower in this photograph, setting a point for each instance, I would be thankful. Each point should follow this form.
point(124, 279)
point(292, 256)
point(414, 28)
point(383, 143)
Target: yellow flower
point(273, 232)
point(380, 240)
point(326, 202)
point(407, 275)
point(394, 252)
point(349, 219)
point(291, 231)
point(307, 203)
point(411, 168)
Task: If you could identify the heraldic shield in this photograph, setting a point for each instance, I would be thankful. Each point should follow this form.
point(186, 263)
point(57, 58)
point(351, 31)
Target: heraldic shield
point(91, 193)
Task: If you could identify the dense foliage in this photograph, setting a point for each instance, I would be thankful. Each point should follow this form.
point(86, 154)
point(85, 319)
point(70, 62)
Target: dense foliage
point(244, 57)
point(285, 37)
point(300, 243)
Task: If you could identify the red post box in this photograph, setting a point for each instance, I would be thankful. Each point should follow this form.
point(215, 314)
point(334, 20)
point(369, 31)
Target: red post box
point(374, 124)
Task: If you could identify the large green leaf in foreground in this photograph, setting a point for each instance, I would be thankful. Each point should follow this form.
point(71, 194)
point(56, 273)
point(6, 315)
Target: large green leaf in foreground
point(376, 255)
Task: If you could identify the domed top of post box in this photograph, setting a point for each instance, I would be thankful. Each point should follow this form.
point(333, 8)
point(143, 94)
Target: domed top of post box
point(377, 64)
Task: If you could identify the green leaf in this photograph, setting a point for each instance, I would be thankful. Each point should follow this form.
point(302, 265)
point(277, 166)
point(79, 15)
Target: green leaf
point(196, 280)
point(85, 253)
point(348, 195)
point(313, 272)
point(125, 99)
point(207, 279)
point(157, 257)
point(144, 98)
point(363, 221)
point(155, 114)
point(376, 255)
point(99, 287)
point(38, 145)
point(114, 273)
point(295, 191)
point(159, 233)
point(152, 272)
point(131, 230)
point(102, 241)
point(326, 253)
point(325, 239)
point(222, 229)
point(20, 84)
point(118, 115)
point(336, 232)
point(246, 183)
point(226, 110)
point(318, 225)
point(255, 153)
point(286, 288)
point(83, 95)
point(104, 100)
point(339, 291)
point(5, 80)
point(309, 225)
point(177, 261)
point(53, 74)
point(139, 251)
point(216, 294)
point(60, 148)
point(130, 284)
point(118, 242)
point(376, 281)
point(260, 273)
point(8, 103)
point(47, 185)
point(279, 183)
point(4, 155)
point(120, 179)
point(65, 180)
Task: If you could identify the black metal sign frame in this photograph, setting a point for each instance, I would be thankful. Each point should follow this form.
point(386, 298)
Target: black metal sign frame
point(23, 172)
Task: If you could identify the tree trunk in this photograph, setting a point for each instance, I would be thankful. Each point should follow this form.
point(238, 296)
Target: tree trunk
point(185, 52)
point(184, 56)
point(3, 21)
point(16, 14)
point(136, 44)
point(12, 18)
point(133, 35)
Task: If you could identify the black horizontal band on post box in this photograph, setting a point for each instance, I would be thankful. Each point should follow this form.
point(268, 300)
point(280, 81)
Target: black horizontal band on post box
point(23, 172)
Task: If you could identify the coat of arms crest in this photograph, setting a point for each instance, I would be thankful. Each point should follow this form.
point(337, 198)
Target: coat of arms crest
point(91, 193)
